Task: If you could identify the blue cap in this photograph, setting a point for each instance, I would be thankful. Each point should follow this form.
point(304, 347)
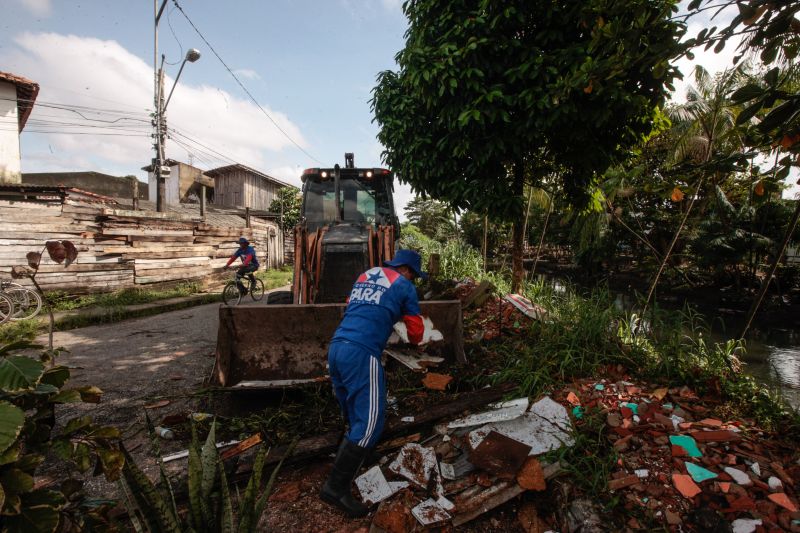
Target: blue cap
point(243, 240)
point(409, 258)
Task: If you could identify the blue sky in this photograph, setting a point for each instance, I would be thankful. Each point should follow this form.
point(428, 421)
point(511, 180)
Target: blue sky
point(311, 64)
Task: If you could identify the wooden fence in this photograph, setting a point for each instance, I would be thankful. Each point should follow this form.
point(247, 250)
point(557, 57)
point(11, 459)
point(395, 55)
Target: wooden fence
point(119, 248)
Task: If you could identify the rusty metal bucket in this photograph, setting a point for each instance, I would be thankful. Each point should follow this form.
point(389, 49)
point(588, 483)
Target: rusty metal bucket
point(274, 346)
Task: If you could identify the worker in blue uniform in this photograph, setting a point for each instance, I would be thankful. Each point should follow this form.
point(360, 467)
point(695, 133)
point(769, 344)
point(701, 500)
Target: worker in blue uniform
point(380, 297)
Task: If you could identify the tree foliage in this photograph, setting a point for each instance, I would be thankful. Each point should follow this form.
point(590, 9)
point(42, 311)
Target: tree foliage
point(485, 85)
point(434, 219)
point(288, 202)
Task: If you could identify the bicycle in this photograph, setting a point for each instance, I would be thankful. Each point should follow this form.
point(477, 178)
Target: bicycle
point(27, 302)
point(234, 290)
point(6, 308)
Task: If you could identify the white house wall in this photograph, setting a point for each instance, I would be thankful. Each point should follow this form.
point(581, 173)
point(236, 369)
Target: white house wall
point(10, 170)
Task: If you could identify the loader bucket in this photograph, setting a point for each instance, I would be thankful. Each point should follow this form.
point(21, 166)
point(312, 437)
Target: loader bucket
point(274, 346)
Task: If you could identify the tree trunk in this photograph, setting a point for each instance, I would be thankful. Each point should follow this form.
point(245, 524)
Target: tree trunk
point(518, 270)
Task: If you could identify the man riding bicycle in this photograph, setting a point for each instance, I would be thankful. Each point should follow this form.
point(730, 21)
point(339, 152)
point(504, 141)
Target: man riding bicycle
point(249, 263)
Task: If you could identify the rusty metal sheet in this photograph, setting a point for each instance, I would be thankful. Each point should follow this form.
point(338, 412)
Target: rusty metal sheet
point(282, 343)
point(500, 455)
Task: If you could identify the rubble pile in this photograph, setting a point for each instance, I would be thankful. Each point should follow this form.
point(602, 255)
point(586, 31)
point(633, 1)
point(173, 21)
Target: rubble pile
point(681, 467)
point(468, 467)
point(494, 314)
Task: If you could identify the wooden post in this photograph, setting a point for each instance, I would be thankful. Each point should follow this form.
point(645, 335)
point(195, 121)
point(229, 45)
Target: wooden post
point(434, 261)
point(135, 192)
point(247, 216)
point(203, 202)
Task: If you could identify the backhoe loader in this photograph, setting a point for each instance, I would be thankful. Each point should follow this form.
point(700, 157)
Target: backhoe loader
point(348, 224)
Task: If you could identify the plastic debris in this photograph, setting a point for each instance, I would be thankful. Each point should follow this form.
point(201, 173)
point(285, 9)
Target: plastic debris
point(528, 308)
point(687, 443)
point(698, 473)
point(599, 386)
point(164, 433)
point(500, 412)
point(407, 419)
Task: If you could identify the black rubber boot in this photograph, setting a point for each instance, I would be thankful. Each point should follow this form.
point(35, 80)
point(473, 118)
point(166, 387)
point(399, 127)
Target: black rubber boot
point(336, 490)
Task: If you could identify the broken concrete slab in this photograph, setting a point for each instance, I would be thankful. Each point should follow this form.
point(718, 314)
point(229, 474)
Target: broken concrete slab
point(499, 412)
point(430, 513)
point(374, 488)
point(545, 427)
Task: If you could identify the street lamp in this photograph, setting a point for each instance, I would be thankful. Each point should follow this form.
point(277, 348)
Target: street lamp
point(191, 56)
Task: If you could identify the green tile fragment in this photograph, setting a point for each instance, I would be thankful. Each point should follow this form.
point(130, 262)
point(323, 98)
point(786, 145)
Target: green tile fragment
point(687, 443)
point(577, 411)
point(699, 473)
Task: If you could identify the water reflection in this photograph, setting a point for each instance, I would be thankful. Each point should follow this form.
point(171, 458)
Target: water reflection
point(773, 355)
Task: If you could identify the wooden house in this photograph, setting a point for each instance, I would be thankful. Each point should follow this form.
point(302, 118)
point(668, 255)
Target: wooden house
point(241, 186)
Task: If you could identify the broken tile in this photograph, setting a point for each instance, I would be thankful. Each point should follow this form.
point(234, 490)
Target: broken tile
point(774, 484)
point(531, 476)
point(622, 482)
point(756, 468)
point(393, 516)
point(745, 525)
point(719, 435)
point(573, 398)
point(783, 500)
point(687, 443)
point(374, 488)
point(685, 485)
point(429, 513)
point(435, 381)
point(738, 476)
point(659, 394)
point(578, 411)
point(415, 463)
point(614, 420)
point(599, 386)
point(713, 422)
point(642, 473)
point(698, 473)
point(500, 412)
point(500, 455)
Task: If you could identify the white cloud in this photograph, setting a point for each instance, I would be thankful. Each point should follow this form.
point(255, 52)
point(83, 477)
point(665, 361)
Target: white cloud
point(40, 8)
point(248, 73)
point(90, 72)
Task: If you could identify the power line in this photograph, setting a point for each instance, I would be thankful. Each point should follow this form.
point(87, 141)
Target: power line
point(235, 77)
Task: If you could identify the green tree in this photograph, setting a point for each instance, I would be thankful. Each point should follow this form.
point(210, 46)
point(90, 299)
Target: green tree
point(487, 92)
point(434, 219)
point(288, 202)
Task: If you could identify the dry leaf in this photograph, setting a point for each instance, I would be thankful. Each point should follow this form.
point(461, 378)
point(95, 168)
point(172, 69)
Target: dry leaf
point(158, 404)
point(677, 195)
point(19, 272)
point(57, 251)
point(589, 88)
point(33, 259)
point(72, 252)
point(759, 189)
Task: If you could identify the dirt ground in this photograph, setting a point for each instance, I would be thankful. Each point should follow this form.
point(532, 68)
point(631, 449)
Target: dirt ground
point(159, 361)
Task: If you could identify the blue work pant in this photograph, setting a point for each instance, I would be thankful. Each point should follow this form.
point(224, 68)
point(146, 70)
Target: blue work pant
point(360, 387)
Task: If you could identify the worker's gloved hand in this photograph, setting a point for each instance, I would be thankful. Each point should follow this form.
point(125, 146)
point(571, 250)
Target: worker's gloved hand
point(430, 334)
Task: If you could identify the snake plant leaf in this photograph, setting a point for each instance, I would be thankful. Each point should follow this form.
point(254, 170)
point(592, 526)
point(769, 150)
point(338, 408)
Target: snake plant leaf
point(12, 418)
point(209, 458)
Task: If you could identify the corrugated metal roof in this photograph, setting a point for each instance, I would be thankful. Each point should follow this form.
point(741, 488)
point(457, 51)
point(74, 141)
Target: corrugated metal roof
point(238, 166)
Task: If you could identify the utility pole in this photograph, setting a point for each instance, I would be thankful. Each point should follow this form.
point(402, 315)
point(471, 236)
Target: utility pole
point(158, 95)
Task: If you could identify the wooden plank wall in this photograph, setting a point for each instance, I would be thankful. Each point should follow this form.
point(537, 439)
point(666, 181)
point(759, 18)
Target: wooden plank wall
point(119, 249)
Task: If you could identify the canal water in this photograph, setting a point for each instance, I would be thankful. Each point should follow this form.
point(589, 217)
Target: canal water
point(772, 354)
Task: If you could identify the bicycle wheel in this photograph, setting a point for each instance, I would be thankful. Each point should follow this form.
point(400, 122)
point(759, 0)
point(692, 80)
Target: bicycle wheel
point(27, 302)
point(6, 308)
point(231, 294)
point(257, 290)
